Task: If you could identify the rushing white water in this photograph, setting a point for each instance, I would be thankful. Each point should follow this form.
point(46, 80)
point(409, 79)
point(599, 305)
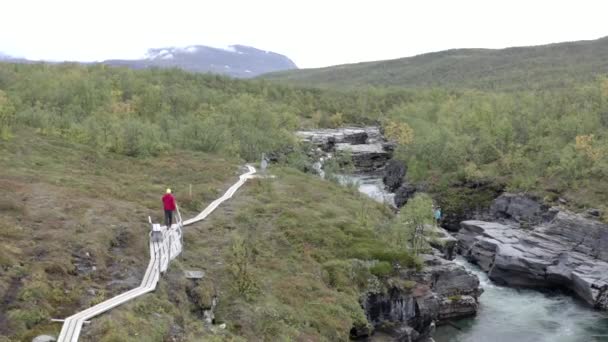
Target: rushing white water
point(506, 315)
point(371, 186)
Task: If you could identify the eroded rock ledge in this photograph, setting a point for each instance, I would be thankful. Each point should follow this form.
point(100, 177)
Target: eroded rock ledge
point(411, 304)
point(567, 251)
point(370, 151)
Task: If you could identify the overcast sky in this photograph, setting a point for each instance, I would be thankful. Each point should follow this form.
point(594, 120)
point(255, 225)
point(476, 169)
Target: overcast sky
point(312, 33)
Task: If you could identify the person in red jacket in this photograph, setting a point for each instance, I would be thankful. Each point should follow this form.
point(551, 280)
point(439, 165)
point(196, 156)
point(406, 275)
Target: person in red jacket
point(169, 205)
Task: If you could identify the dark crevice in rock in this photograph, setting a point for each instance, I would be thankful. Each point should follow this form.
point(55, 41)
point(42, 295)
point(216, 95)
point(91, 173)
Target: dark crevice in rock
point(394, 173)
point(602, 299)
point(404, 193)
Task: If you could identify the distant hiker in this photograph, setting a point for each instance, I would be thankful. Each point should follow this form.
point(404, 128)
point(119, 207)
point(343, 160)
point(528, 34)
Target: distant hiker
point(169, 205)
point(437, 215)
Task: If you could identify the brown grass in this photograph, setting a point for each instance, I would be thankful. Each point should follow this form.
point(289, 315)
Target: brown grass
point(73, 223)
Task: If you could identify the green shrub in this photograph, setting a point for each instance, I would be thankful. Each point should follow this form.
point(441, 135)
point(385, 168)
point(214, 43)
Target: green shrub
point(338, 273)
point(240, 267)
point(202, 294)
point(404, 258)
point(381, 269)
point(28, 318)
point(409, 284)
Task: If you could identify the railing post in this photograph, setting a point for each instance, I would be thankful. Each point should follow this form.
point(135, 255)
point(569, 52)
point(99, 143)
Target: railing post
point(179, 215)
point(180, 226)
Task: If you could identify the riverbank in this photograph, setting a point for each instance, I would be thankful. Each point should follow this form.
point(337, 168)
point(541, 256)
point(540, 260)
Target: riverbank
point(566, 251)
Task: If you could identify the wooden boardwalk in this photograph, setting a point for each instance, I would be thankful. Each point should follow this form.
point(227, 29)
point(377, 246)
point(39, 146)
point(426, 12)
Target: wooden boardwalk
point(162, 251)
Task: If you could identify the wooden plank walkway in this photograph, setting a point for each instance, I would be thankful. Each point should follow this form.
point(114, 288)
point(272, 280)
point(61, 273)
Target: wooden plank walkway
point(162, 251)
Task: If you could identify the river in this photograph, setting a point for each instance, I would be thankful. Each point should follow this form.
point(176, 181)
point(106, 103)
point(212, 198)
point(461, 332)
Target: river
point(506, 314)
point(371, 186)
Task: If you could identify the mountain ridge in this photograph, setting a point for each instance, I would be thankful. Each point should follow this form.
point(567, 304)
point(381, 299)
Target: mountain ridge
point(238, 61)
point(235, 60)
point(496, 69)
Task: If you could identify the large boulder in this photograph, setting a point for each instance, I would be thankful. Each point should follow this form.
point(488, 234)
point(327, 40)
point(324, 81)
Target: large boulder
point(404, 193)
point(448, 279)
point(567, 252)
point(519, 208)
point(457, 306)
point(401, 333)
point(394, 172)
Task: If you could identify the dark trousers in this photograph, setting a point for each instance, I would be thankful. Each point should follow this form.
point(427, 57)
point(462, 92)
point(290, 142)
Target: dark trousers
point(168, 218)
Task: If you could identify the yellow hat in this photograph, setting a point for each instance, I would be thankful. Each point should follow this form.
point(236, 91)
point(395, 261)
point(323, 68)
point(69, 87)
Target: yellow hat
point(168, 190)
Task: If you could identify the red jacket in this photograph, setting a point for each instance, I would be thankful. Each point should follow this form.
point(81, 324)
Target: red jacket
point(169, 202)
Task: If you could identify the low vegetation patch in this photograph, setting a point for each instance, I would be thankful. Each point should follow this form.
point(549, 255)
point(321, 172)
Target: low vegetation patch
point(285, 258)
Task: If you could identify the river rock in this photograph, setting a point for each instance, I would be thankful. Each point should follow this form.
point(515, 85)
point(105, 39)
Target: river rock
point(394, 172)
point(589, 236)
point(417, 299)
point(594, 212)
point(404, 193)
point(570, 252)
point(401, 333)
point(519, 208)
point(447, 279)
point(368, 148)
point(366, 157)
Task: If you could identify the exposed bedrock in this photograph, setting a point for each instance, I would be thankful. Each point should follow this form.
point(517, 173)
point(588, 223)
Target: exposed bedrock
point(369, 150)
point(394, 173)
point(412, 303)
point(569, 251)
point(522, 209)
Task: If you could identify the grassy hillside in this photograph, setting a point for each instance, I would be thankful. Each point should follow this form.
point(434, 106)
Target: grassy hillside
point(286, 257)
point(534, 67)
